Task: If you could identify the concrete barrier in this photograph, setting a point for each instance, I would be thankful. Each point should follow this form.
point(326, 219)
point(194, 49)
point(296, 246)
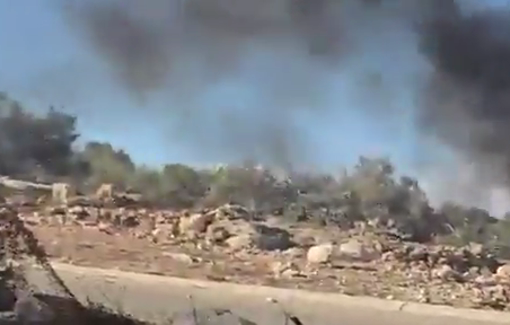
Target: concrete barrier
point(294, 295)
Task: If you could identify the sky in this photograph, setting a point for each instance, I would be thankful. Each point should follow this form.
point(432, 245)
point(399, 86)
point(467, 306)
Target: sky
point(42, 63)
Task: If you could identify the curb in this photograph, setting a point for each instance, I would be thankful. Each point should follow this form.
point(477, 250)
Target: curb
point(287, 295)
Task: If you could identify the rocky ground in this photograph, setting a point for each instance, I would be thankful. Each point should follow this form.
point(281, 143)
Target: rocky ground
point(226, 244)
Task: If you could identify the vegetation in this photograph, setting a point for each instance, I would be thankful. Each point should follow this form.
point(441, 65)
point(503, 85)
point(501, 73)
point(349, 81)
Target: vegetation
point(44, 148)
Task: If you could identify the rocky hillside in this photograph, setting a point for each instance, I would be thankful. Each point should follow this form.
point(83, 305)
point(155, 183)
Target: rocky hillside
point(363, 256)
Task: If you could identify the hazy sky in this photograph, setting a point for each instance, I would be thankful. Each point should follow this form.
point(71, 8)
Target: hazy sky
point(42, 63)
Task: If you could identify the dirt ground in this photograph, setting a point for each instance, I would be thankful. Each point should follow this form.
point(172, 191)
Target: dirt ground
point(90, 247)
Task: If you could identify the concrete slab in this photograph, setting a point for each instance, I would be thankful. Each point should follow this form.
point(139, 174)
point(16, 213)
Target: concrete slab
point(156, 298)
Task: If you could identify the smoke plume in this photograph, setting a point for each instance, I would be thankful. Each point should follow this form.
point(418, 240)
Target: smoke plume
point(466, 100)
point(145, 42)
point(185, 47)
point(284, 50)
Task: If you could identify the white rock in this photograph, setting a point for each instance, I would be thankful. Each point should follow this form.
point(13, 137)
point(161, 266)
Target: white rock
point(445, 272)
point(180, 257)
point(356, 250)
point(503, 272)
point(320, 253)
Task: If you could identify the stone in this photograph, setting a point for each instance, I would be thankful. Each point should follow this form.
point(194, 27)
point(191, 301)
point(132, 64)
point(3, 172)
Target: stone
point(356, 250)
point(104, 192)
point(320, 253)
point(294, 252)
point(262, 237)
point(60, 193)
point(180, 257)
point(272, 238)
point(217, 234)
point(503, 272)
point(130, 221)
point(196, 223)
point(418, 252)
point(485, 280)
point(445, 272)
point(79, 212)
point(105, 228)
point(240, 241)
point(286, 270)
point(476, 249)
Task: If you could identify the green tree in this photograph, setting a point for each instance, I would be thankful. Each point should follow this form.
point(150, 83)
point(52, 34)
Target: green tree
point(148, 182)
point(32, 145)
point(247, 184)
point(182, 185)
point(108, 165)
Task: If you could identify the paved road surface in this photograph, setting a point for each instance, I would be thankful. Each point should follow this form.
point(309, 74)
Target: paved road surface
point(157, 298)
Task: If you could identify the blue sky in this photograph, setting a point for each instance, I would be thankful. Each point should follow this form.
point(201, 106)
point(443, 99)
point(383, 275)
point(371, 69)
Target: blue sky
point(42, 63)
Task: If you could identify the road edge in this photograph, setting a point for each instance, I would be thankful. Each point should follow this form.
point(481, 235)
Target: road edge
point(287, 295)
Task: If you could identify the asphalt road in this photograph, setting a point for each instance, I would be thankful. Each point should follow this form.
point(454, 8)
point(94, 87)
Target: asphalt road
point(158, 298)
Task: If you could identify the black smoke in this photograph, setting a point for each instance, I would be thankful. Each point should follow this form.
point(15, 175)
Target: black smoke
point(144, 42)
point(466, 100)
point(184, 47)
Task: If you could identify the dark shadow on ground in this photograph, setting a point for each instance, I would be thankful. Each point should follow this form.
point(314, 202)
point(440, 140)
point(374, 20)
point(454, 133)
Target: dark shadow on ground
point(87, 315)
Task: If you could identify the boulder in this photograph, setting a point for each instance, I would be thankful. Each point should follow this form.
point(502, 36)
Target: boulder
point(246, 235)
point(105, 191)
point(357, 250)
point(320, 253)
point(196, 223)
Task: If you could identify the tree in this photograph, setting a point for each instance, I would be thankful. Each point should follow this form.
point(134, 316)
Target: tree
point(247, 184)
point(31, 145)
point(148, 182)
point(108, 165)
point(182, 186)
